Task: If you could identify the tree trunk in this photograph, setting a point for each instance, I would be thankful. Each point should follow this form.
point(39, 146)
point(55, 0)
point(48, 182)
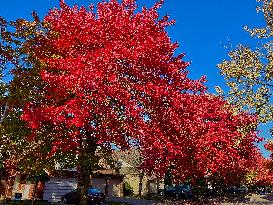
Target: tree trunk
point(4, 114)
point(5, 185)
point(140, 185)
point(84, 187)
point(34, 193)
point(84, 181)
point(87, 163)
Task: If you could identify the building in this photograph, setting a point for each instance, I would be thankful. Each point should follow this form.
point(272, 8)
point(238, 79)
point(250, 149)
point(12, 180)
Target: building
point(109, 180)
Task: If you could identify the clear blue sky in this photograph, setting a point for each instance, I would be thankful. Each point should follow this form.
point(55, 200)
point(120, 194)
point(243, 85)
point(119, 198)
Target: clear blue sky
point(203, 28)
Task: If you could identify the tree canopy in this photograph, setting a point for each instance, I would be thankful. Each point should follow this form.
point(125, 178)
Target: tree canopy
point(248, 71)
point(93, 79)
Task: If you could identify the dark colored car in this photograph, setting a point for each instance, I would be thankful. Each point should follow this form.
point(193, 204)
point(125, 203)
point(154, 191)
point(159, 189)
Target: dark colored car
point(261, 190)
point(241, 190)
point(95, 196)
point(179, 191)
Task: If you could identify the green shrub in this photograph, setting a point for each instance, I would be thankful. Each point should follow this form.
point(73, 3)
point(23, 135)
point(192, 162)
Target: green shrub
point(127, 189)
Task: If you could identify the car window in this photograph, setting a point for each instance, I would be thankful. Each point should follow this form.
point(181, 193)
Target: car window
point(183, 187)
point(170, 188)
point(94, 191)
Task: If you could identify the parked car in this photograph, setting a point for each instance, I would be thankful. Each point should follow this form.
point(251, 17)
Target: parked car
point(178, 191)
point(241, 190)
point(94, 196)
point(261, 190)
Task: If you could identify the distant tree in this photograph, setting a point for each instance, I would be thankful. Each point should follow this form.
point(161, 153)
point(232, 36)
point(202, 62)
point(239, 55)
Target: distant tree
point(215, 142)
point(248, 71)
point(262, 174)
point(20, 151)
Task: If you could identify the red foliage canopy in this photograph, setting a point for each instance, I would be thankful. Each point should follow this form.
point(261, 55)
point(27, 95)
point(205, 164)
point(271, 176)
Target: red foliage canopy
point(264, 176)
point(113, 76)
point(206, 139)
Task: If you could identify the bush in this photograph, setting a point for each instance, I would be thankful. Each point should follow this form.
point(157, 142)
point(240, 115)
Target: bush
point(127, 189)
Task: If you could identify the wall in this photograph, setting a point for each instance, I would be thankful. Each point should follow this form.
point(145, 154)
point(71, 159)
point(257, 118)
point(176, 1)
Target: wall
point(149, 186)
point(24, 187)
point(114, 188)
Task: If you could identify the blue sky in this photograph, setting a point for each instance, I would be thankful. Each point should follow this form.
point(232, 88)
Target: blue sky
point(203, 28)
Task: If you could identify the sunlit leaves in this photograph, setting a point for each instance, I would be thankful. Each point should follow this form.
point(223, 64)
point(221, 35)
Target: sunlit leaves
point(111, 76)
point(248, 72)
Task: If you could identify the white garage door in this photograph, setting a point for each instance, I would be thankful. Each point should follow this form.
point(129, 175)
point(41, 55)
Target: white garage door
point(57, 187)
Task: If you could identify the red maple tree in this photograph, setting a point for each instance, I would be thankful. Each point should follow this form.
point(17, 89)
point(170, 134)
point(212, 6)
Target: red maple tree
point(105, 73)
point(264, 170)
point(206, 139)
point(112, 77)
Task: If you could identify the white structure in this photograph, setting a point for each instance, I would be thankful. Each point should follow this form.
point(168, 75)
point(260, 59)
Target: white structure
point(56, 187)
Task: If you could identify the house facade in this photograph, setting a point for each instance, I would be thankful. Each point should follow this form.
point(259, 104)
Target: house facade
point(109, 180)
point(18, 184)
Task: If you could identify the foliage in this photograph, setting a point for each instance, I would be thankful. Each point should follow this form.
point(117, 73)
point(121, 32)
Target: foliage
point(18, 152)
point(127, 189)
point(93, 79)
point(264, 173)
point(103, 66)
point(213, 142)
point(42, 177)
point(248, 71)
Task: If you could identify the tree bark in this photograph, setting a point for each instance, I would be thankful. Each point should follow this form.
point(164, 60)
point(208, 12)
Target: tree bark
point(140, 185)
point(87, 163)
point(34, 193)
point(5, 185)
point(5, 113)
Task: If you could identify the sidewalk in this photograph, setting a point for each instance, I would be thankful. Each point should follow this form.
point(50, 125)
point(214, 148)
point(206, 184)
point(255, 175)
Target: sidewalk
point(134, 201)
point(252, 199)
point(131, 201)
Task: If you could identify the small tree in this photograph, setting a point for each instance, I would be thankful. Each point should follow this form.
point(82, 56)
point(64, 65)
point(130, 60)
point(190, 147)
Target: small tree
point(127, 189)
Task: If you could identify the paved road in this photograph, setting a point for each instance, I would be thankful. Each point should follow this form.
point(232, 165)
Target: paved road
point(253, 199)
point(131, 201)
